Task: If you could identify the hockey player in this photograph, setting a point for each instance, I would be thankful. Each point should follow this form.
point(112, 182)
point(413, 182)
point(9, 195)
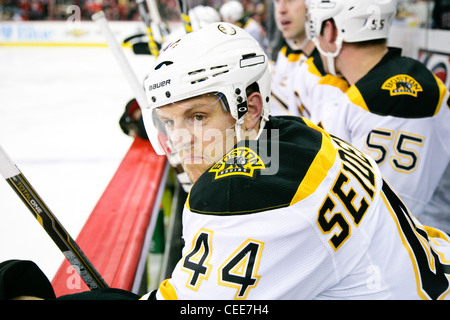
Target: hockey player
point(395, 110)
point(279, 209)
point(289, 18)
point(290, 88)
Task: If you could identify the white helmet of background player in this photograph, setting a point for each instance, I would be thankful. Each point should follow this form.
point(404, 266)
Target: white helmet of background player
point(356, 21)
point(232, 11)
point(221, 59)
point(201, 16)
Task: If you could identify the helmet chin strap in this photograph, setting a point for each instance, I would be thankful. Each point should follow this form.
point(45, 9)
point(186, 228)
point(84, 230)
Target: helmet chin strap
point(242, 114)
point(330, 56)
point(238, 127)
point(262, 124)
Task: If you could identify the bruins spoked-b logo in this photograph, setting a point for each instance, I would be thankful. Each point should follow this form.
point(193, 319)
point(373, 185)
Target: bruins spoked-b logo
point(402, 84)
point(226, 29)
point(240, 161)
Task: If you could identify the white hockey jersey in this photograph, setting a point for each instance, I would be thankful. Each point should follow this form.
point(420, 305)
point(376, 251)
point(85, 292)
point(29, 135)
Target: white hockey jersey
point(301, 215)
point(398, 114)
point(282, 70)
point(312, 86)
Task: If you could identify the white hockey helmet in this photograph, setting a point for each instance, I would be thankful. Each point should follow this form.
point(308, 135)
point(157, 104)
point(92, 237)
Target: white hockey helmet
point(220, 58)
point(201, 16)
point(356, 20)
point(232, 11)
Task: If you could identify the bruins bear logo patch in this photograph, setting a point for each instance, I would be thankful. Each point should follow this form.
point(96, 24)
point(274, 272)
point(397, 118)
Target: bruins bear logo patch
point(240, 161)
point(402, 84)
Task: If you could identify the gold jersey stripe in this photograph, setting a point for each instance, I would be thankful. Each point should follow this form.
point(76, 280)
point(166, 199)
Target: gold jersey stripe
point(319, 168)
point(356, 97)
point(167, 290)
point(292, 56)
point(312, 68)
point(335, 82)
point(442, 93)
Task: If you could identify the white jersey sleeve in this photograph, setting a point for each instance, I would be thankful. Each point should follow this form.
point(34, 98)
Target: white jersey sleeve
point(282, 70)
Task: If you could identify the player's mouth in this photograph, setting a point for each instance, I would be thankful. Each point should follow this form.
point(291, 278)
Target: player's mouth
point(285, 24)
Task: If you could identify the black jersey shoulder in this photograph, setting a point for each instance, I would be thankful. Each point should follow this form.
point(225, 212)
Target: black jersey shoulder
point(260, 175)
point(398, 86)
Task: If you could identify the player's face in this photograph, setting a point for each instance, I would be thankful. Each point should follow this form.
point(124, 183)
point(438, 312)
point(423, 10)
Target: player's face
point(199, 130)
point(290, 18)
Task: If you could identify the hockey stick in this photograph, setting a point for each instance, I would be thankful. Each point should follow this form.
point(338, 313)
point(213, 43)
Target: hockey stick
point(182, 6)
point(156, 17)
point(148, 23)
point(136, 87)
point(50, 223)
point(146, 47)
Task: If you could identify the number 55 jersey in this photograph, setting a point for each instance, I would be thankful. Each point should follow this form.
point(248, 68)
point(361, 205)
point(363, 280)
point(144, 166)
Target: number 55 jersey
point(300, 214)
point(398, 114)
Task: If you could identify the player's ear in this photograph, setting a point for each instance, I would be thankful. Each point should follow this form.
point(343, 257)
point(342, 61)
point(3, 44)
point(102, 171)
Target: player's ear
point(330, 33)
point(255, 107)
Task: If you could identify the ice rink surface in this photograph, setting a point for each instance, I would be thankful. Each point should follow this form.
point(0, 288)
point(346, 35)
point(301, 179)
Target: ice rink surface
point(59, 122)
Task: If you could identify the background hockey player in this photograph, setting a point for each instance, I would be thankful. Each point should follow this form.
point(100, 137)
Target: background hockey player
point(290, 87)
point(290, 20)
point(395, 110)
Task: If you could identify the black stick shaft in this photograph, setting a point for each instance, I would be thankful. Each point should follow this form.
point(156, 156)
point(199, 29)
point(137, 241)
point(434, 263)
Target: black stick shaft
point(50, 223)
point(184, 13)
point(148, 23)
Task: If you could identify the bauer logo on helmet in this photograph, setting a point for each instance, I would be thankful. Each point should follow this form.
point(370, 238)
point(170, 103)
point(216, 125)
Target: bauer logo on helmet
point(159, 85)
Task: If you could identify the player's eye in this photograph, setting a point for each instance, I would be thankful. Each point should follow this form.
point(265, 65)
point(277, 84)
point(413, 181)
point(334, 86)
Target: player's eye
point(199, 117)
